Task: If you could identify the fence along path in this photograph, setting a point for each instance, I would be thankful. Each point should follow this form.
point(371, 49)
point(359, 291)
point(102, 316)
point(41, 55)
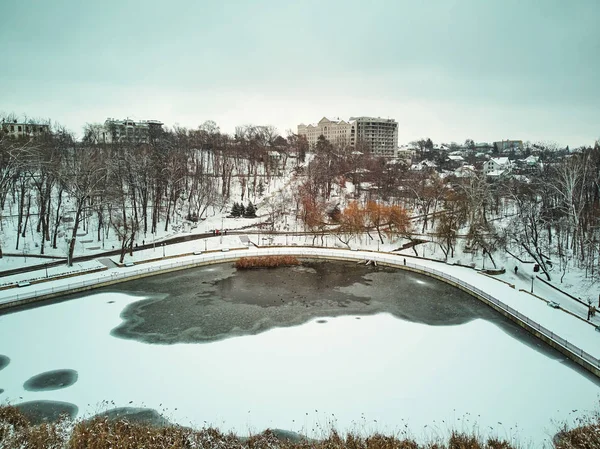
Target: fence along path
point(398, 261)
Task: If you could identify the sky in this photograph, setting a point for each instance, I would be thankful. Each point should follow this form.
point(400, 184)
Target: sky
point(449, 70)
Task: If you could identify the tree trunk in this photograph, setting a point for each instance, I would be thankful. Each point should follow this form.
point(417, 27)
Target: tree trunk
point(74, 233)
point(57, 220)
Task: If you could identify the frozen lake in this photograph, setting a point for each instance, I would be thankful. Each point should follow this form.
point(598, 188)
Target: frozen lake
point(298, 349)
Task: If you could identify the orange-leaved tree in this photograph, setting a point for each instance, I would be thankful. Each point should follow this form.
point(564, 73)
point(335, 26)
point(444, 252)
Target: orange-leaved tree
point(352, 221)
point(313, 214)
point(377, 216)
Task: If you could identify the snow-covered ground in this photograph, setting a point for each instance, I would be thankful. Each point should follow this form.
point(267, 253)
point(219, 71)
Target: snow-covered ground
point(376, 373)
point(47, 274)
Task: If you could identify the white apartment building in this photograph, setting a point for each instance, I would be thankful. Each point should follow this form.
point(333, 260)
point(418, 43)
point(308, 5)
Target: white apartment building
point(129, 130)
point(381, 135)
point(334, 130)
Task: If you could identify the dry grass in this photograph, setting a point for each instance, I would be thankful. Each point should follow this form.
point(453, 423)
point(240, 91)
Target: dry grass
point(585, 436)
point(266, 262)
point(99, 433)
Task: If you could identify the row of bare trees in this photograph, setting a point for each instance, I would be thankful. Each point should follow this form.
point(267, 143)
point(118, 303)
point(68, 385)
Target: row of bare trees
point(65, 188)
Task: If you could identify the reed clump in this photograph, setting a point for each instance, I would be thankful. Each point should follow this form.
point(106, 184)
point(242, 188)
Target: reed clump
point(246, 263)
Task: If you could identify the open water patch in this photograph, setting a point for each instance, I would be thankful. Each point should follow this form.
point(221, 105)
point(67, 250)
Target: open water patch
point(4, 361)
point(51, 380)
point(209, 304)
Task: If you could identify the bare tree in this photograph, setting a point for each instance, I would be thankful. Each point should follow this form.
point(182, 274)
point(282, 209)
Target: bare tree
point(84, 173)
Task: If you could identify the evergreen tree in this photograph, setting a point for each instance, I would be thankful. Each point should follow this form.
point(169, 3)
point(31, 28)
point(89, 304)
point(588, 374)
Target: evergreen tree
point(242, 210)
point(261, 188)
point(250, 211)
point(235, 210)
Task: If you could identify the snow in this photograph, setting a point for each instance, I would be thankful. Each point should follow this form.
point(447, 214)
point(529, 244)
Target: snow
point(300, 378)
point(51, 272)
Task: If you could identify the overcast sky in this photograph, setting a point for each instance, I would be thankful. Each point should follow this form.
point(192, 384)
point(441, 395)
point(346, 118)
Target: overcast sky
point(449, 70)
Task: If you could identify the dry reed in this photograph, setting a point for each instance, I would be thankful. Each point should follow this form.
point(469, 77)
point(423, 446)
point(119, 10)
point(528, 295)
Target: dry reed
point(246, 263)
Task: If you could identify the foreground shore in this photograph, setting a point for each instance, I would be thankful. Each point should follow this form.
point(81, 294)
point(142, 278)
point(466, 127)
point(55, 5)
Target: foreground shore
point(114, 431)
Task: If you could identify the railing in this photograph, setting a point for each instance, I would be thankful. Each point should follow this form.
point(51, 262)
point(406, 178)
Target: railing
point(384, 258)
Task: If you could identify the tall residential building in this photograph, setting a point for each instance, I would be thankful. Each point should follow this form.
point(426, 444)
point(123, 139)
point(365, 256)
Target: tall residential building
point(15, 129)
point(381, 135)
point(130, 131)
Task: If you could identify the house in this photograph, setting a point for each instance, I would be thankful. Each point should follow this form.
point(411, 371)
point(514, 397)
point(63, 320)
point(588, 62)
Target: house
point(466, 171)
point(531, 161)
point(16, 129)
point(484, 147)
point(497, 166)
point(509, 145)
point(423, 165)
point(455, 158)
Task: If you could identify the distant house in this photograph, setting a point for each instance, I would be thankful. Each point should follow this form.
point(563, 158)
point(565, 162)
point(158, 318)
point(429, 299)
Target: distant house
point(484, 147)
point(497, 166)
point(129, 130)
point(404, 152)
point(508, 145)
point(16, 129)
point(466, 171)
point(531, 161)
point(423, 165)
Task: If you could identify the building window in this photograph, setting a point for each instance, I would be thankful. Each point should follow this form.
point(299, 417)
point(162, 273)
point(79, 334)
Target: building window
point(19, 128)
point(12, 128)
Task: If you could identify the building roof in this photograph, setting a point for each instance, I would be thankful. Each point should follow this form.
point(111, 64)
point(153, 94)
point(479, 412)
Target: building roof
point(500, 160)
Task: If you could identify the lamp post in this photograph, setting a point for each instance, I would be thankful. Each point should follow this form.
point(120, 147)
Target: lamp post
point(532, 278)
point(46, 270)
point(221, 237)
point(163, 245)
